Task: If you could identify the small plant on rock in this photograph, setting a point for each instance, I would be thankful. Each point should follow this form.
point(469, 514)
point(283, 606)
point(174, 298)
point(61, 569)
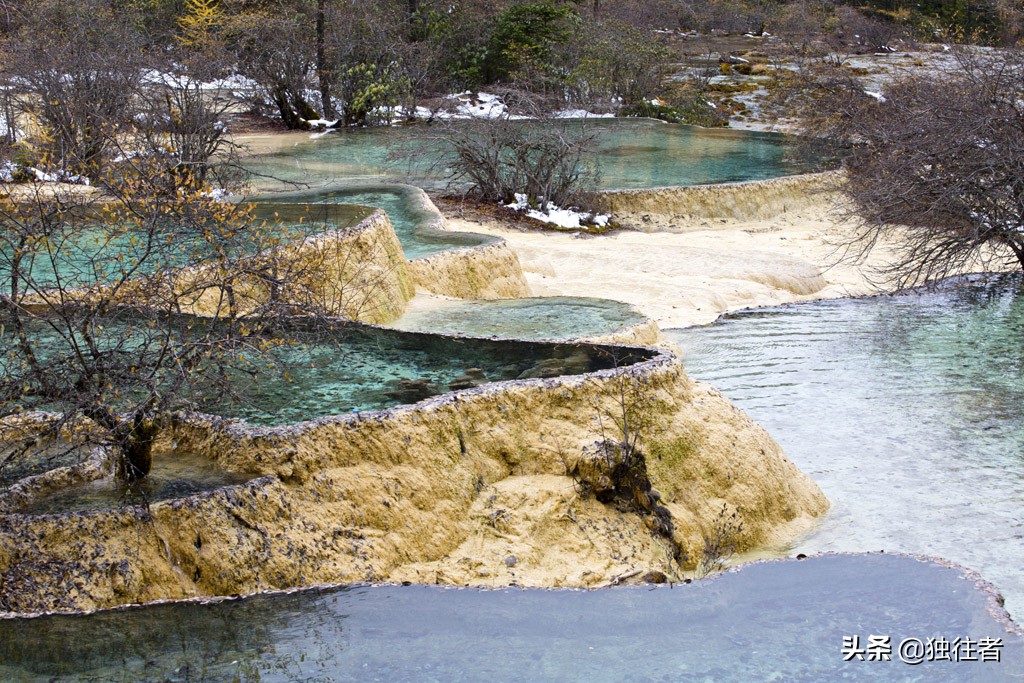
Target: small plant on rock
point(721, 543)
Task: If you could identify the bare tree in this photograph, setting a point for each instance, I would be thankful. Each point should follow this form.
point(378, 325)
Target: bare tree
point(543, 158)
point(273, 48)
point(934, 163)
point(184, 121)
point(78, 66)
point(117, 311)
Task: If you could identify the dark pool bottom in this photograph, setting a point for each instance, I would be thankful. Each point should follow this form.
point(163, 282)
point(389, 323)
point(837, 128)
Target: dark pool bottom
point(776, 621)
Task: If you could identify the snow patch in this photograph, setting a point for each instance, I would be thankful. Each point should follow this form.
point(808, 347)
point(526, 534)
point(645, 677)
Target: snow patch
point(555, 215)
point(217, 194)
point(58, 176)
point(581, 114)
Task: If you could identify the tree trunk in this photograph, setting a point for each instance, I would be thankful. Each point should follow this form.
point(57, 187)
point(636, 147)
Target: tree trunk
point(323, 72)
point(284, 106)
point(136, 460)
point(135, 441)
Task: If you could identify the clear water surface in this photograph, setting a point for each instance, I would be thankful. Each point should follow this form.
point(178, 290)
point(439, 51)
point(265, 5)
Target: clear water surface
point(358, 368)
point(413, 223)
point(632, 153)
point(779, 621)
point(907, 410)
point(174, 475)
point(554, 317)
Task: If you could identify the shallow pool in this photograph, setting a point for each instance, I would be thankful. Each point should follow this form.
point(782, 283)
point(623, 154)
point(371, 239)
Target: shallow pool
point(174, 475)
point(631, 153)
point(357, 368)
point(555, 317)
point(413, 222)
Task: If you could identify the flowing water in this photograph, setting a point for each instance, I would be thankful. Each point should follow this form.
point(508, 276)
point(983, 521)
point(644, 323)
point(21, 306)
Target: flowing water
point(778, 621)
point(907, 410)
point(413, 222)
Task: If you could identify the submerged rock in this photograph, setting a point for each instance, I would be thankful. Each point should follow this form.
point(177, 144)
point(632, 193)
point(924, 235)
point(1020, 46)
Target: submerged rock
point(575, 364)
point(411, 390)
point(473, 377)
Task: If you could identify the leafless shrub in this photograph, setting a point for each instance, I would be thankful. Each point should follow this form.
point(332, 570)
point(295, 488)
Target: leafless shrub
point(720, 543)
point(187, 124)
point(78, 69)
point(541, 157)
point(614, 468)
point(866, 32)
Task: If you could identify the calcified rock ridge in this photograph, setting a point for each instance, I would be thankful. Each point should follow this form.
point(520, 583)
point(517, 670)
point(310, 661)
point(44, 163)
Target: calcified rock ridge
point(473, 487)
point(444, 491)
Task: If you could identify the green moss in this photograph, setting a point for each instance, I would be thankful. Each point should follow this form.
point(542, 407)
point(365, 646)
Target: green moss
point(668, 458)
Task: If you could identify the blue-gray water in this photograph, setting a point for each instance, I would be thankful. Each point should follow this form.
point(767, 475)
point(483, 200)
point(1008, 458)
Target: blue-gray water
point(769, 622)
point(907, 410)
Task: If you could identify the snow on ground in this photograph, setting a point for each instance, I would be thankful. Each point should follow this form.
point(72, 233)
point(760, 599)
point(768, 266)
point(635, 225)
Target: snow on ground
point(481, 106)
point(58, 176)
point(172, 80)
point(581, 114)
point(218, 194)
point(555, 215)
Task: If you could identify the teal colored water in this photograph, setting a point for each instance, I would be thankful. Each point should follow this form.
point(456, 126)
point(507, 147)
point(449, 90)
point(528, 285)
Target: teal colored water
point(413, 223)
point(907, 410)
point(632, 153)
point(365, 369)
point(311, 374)
point(81, 256)
point(556, 317)
point(780, 621)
